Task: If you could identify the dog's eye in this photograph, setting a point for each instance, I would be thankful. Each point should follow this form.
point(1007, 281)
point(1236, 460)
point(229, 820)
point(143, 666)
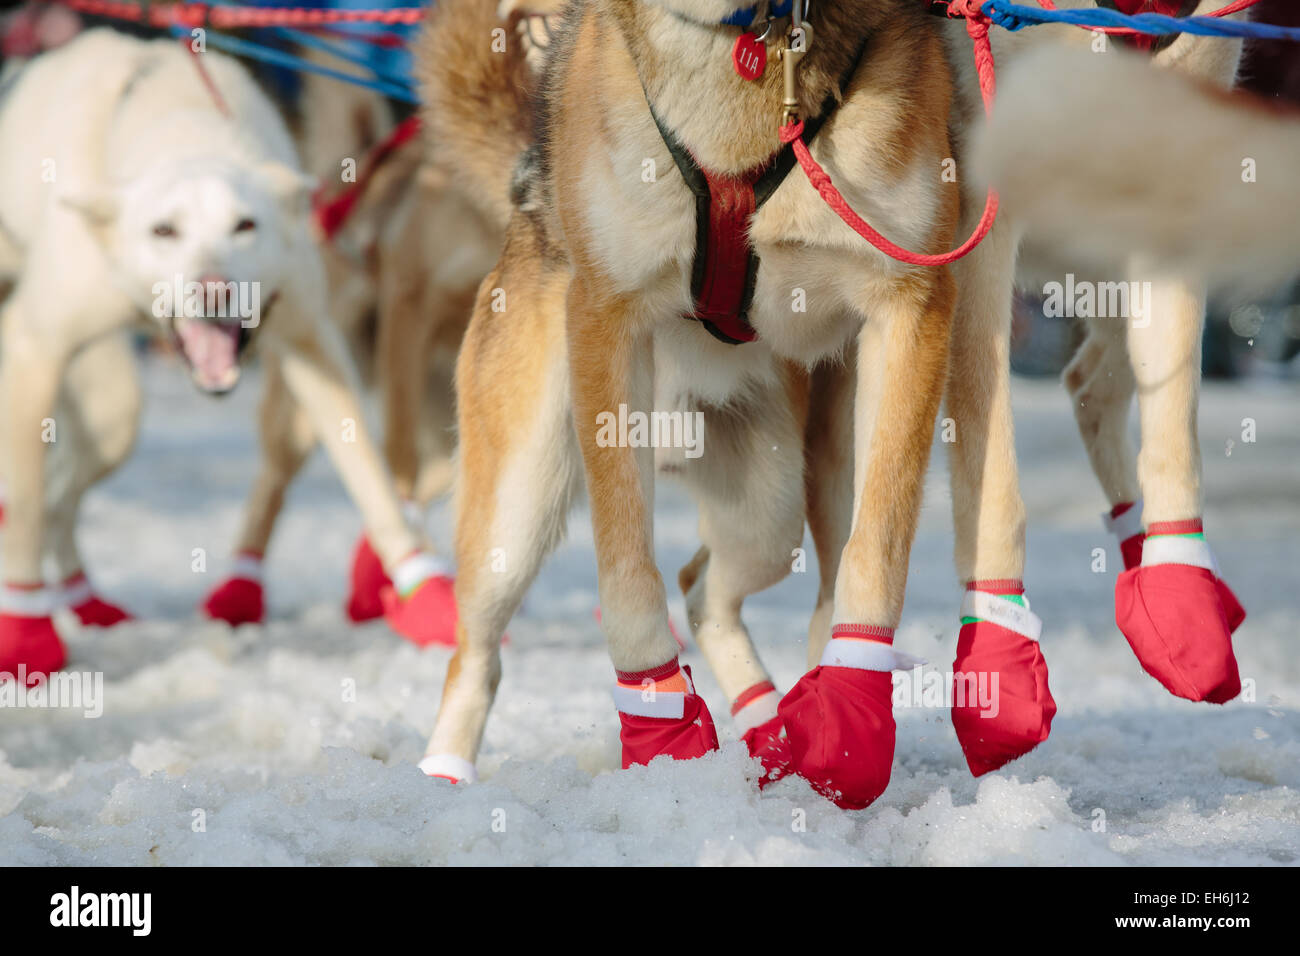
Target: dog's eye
point(246, 225)
point(165, 230)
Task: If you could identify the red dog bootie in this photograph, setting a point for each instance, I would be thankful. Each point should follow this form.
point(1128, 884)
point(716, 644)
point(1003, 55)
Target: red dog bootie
point(449, 767)
point(421, 603)
point(365, 602)
point(1174, 612)
point(755, 714)
point(92, 611)
point(839, 719)
point(30, 649)
point(662, 714)
point(239, 599)
point(1125, 522)
point(1002, 707)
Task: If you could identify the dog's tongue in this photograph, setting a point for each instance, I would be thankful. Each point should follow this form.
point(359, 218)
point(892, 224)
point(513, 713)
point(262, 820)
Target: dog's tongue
point(212, 349)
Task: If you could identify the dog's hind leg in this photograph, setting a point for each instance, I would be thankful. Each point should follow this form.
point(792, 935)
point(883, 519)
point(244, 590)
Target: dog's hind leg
point(518, 472)
point(1100, 382)
point(1176, 613)
point(828, 477)
point(286, 439)
point(749, 489)
point(98, 415)
point(436, 440)
point(999, 634)
point(612, 369)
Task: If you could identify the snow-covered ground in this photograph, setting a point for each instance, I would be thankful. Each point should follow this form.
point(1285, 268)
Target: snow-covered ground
point(244, 748)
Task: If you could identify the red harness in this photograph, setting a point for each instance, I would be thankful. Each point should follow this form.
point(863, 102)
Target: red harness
point(725, 264)
point(332, 213)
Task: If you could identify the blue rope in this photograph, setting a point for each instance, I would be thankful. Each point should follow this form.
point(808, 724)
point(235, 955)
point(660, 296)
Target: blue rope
point(266, 54)
point(1014, 16)
point(338, 50)
point(312, 41)
point(744, 17)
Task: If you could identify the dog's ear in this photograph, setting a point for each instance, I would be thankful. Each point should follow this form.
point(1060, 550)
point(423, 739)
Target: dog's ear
point(292, 188)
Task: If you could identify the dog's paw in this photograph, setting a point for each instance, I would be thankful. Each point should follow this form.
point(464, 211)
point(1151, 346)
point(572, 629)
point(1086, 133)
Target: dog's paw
point(427, 615)
point(670, 718)
point(1175, 619)
point(236, 601)
point(30, 649)
point(839, 724)
point(999, 722)
point(368, 580)
point(96, 612)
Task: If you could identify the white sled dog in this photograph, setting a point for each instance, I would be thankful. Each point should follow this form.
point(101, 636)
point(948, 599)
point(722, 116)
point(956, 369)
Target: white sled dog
point(128, 192)
point(1199, 182)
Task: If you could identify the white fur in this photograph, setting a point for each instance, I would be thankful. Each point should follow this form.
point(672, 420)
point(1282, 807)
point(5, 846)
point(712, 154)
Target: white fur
point(102, 143)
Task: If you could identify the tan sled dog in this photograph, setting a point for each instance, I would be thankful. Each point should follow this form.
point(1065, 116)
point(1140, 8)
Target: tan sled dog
point(588, 330)
point(139, 198)
point(403, 268)
point(620, 288)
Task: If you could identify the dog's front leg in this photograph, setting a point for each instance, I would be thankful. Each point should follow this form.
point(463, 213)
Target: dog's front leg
point(1175, 611)
point(998, 641)
point(286, 437)
point(611, 368)
point(31, 368)
point(420, 606)
point(838, 717)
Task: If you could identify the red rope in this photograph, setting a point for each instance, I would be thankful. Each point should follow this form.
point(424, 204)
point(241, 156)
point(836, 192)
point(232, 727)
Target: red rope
point(222, 106)
point(331, 214)
point(977, 25)
point(201, 15)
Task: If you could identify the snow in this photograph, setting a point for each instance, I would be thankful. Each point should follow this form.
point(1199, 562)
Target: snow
point(295, 743)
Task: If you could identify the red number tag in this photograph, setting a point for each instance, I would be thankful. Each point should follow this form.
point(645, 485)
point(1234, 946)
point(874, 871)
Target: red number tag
point(749, 56)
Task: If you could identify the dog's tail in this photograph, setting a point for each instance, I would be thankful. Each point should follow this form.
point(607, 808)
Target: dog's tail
point(478, 91)
point(1106, 154)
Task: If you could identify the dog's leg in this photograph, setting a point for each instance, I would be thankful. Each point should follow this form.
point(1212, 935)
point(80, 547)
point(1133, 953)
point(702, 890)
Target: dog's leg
point(39, 333)
point(402, 355)
point(323, 382)
point(1176, 613)
point(436, 438)
point(998, 637)
point(1100, 382)
point(748, 485)
point(98, 417)
point(838, 717)
point(611, 366)
point(518, 473)
point(828, 476)
point(286, 439)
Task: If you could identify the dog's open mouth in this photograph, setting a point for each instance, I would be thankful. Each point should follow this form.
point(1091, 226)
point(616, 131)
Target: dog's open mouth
point(211, 350)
